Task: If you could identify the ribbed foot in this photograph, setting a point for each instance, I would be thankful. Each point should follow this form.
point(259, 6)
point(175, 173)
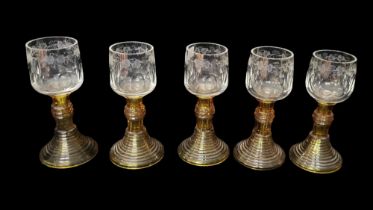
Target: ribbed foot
point(316, 155)
point(259, 153)
point(68, 149)
point(203, 148)
point(136, 150)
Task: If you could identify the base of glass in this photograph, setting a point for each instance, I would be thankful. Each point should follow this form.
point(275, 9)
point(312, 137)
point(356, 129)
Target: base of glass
point(259, 152)
point(316, 155)
point(136, 150)
point(68, 149)
point(203, 148)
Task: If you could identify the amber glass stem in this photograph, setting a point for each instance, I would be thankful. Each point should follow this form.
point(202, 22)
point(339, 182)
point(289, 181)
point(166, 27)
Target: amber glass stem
point(322, 118)
point(62, 111)
point(204, 111)
point(264, 115)
point(135, 113)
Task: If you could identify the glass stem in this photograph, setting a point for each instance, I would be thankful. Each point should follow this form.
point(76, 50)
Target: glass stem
point(322, 118)
point(62, 111)
point(135, 113)
point(264, 115)
point(204, 112)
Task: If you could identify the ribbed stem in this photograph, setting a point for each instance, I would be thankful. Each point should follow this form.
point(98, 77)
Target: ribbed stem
point(136, 149)
point(68, 147)
point(259, 152)
point(316, 154)
point(203, 148)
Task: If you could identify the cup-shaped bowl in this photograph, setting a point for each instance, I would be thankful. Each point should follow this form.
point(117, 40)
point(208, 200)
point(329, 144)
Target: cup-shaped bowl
point(132, 68)
point(269, 75)
point(206, 69)
point(54, 64)
point(331, 76)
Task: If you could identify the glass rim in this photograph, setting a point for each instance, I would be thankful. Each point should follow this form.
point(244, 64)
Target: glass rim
point(75, 42)
point(133, 42)
point(275, 47)
point(207, 43)
point(354, 58)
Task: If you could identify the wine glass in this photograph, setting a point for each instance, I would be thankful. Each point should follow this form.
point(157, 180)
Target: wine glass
point(330, 80)
point(56, 70)
point(133, 75)
point(206, 76)
point(269, 78)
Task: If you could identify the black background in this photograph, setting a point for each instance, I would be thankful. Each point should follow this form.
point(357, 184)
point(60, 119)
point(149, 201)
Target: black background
point(170, 107)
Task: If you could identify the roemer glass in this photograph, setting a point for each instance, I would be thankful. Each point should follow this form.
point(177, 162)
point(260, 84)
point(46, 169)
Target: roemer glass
point(56, 70)
point(269, 78)
point(330, 80)
point(133, 75)
point(206, 76)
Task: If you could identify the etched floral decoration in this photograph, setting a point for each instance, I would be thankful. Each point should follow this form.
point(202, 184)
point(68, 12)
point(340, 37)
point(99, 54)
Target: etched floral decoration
point(206, 69)
point(133, 75)
point(132, 68)
point(331, 76)
point(54, 64)
point(269, 75)
point(55, 69)
point(330, 79)
point(206, 76)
